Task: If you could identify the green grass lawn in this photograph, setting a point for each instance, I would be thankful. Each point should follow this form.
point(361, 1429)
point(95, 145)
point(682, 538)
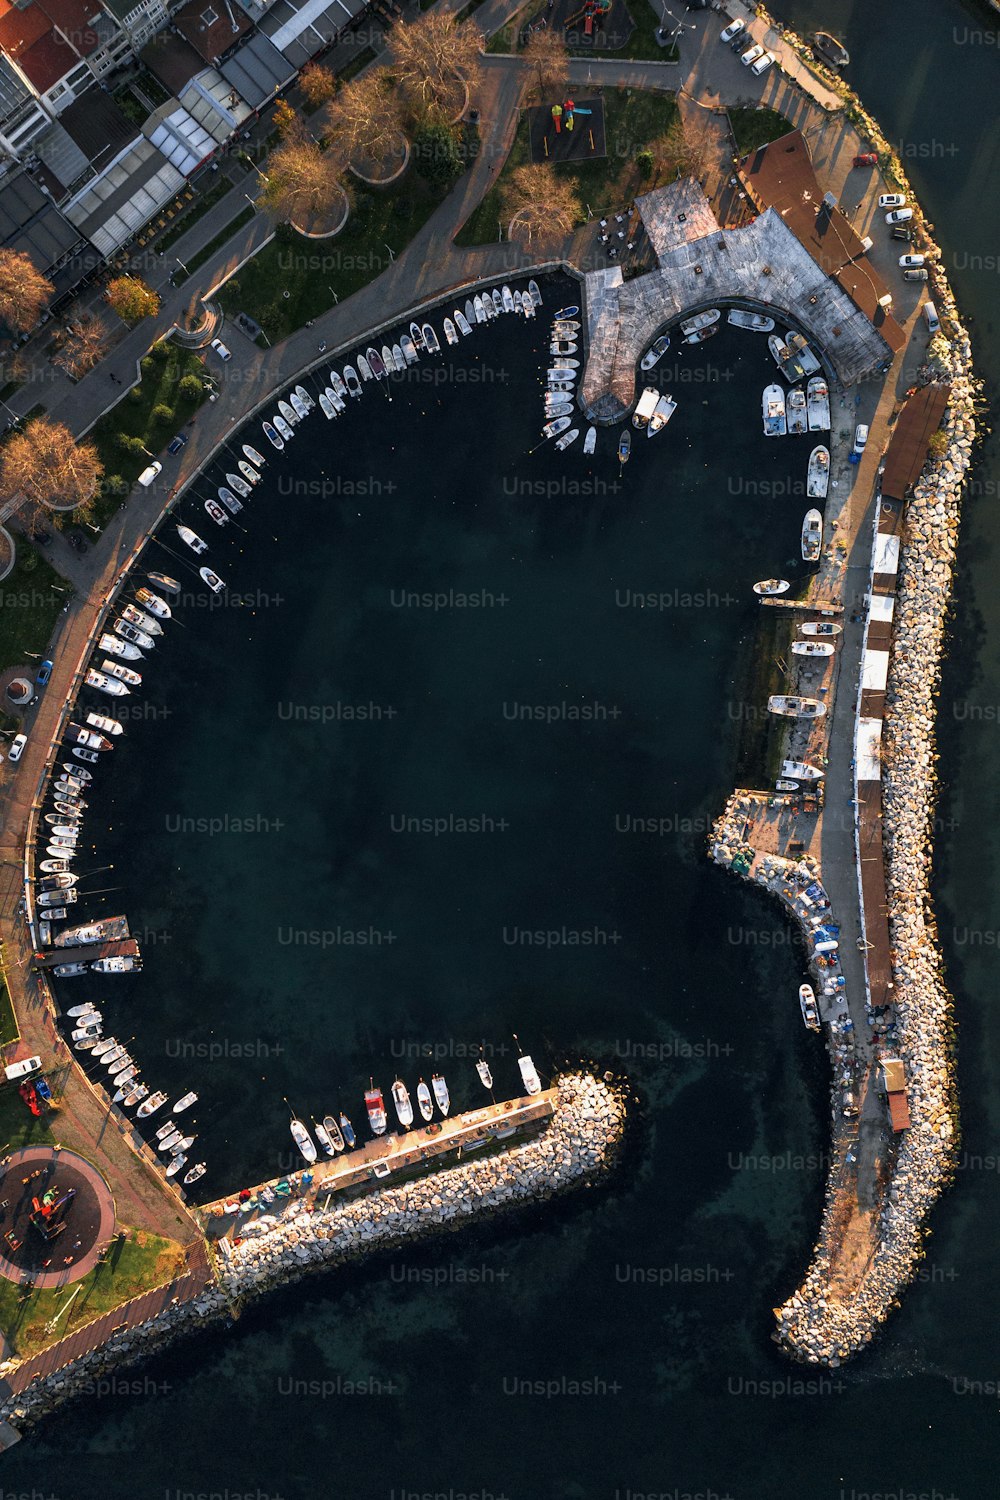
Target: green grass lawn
point(32, 596)
point(135, 1265)
point(756, 127)
point(632, 119)
point(310, 271)
point(133, 416)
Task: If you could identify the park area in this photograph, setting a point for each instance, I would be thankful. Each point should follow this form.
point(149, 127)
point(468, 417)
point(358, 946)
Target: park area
point(32, 595)
point(590, 28)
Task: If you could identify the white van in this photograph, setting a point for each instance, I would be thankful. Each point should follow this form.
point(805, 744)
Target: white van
point(148, 475)
point(931, 318)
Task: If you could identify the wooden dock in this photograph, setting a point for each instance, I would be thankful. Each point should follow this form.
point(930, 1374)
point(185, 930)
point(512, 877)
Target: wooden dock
point(810, 606)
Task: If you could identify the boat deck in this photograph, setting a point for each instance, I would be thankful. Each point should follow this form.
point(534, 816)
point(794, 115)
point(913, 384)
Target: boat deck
point(84, 953)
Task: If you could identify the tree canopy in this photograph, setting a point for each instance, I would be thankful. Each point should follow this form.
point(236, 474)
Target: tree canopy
point(432, 58)
point(46, 468)
point(24, 292)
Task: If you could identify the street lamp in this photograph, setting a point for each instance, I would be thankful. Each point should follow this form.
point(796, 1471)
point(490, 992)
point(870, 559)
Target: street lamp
point(182, 265)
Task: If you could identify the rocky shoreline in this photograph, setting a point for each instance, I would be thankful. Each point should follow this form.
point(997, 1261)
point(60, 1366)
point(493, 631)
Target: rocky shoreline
point(580, 1145)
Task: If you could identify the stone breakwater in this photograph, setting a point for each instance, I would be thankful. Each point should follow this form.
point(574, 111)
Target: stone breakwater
point(580, 1144)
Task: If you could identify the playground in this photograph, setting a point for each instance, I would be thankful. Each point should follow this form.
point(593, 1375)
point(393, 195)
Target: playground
point(600, 25)
point(55, 1210)
point(568, 130)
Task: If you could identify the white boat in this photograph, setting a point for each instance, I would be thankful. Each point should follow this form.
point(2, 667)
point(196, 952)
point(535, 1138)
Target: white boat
point(568, 364)
point(700, 320)
point(401, 1099)
point(786, 361)
point(567, 438)
point(790, 706)
point(114, 647)
point(57, 898)
point(507, 297)
point(785, 786)
point(479, 309)
point(536, 296)
point(820, 627)
point(553, 429)
point(424, 1101)
point(135, 1094)
point(485, 1076)
point(527, 306)
point(105, 684)
point(812, 648)
point(142, 620)
point(334, 1132)
point(288, 413)
point(388, 362)
point(773, 410)
point(655, 353)
point(134, 636)
point(303, 1140)
point(122, 1079)
point(561, 374)
point(103, 721)
point(88, 1009)
point(398, 358)
point(351, 381)
point(337, 385)
point(213, 580)
point(529, 1077)
point(562, 347)
point(590, 441)
point(430, 340)
point(254, 456)
point(498, 306)
point(319, 1131)
point(364, 369)
point(795, 407)
point(417, 335)
point(185, 1102)
point(195, 1174)
point(326, 407)
point(177, 1164)
point(662, 412)
point(126, 965)
point(156, 606)
point(230, 501)
point(272, 435)
point(192, 539)
point(818, 473)
point(559, 409)
point(818, 404)
point(216, 512)
point(408, 347)
point(755, 322)
point(239, 484)
point(470, 313)
point(797, 347)
point(463, 324)
point(375, 1105)
point(305, 397)
point(812, 535)
point(441, 1096)
point(807, 1003)
point(565, 328)
point(768, 586)
point(284, 428)
point(449, 331)
point(337, 402)
point(124, 674)
point(801, 770)
point(645, 407)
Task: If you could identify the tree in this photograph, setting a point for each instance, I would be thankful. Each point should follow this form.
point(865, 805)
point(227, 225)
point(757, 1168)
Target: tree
point(542, 206)
point(304, 181)
point(678, 154)
point(433, 58)
point(546, 52)
point(133, 446)
point(162, 413)
point(364, 122)
point(318, 84)
point(24, 291)
point(46, 468)
point(83, 347)
point(286, 121)
point(132, 299)
point(438, 155)
point(189, 388)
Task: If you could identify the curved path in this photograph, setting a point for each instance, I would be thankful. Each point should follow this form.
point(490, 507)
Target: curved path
point(89, 1218)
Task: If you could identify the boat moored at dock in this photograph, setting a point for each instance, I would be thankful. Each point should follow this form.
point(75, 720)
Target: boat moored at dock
point(790, 706)
point(812, 535)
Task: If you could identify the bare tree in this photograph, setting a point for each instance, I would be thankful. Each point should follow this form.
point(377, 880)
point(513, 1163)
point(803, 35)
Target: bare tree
point(679, 154)
point(45, 468)
point(24, 291)
point(433, 58)
point(304, 181)
point(83, 347)
point(546, 52)
point(364, 121)
point(543, 207)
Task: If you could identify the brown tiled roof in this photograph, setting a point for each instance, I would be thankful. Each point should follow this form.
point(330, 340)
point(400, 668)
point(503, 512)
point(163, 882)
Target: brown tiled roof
point(211, 26)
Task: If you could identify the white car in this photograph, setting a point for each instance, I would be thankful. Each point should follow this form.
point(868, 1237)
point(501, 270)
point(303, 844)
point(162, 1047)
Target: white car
point(909, 262)
point(22, 1069)
point(762, 64)
point(148, 475)
point(17, 747)
point(860, 437)
point(733, 29)
point(891, 200)
point(899, 216)
point(751, 55)
point(225, 353)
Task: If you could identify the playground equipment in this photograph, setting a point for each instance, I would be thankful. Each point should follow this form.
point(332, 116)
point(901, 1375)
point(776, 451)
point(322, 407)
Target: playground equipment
point(592, 12)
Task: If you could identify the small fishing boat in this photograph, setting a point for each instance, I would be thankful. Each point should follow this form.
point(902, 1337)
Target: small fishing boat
point(105, 684)
point(185, 1102)
point(417, 335)
point(485, 1076)
point(398, 358)
point(89, 1034)
point(333, 1131)
point(770, 586)
point(122, 1079)
point(78, 773)
point(124, 674)
point(156, 606)
point(552, 429)
point(567, 438)
point(562, 347)
point(655, 353)
point(134, 636)
point(401, 1099)
point(135, 1095)
point(795, 408)
point(754, 322)
point(773, 411)
point(217, 513)
point(105, 722)
point(497, 297)
point(572, 312)
point(125, 965)
point(829, 50)
point(478, 309)
point(165, 582)
point(298, 406)
point(213, 580)
point(195, 1174)
point(85, 1045)
point(192, 539)
point(812, 648)
point(303, 1139)
point(463, 324)
point(431, 340)
point(812, 535)
point(58, 897)
point(375, 1105)
point(590, 441)
point(253, 455)
point(326, 407)
point(338, 386)
point(807, 1004)
point(351, 380)
point(319, 1131)
point(184, 1144)
point(820, 627)
point(305, 397)
point(536, 296)
point(662, 412)
point(177, 1164)
point(106, 1046)
point(559, 409)
point(364, 369)
point(790, 706)
point(289, 415)
point(450, 332)
point(239, 484)
point(818, 404)
point(818, 473)
point(376, 364)
point(87, 1009)
point(424, 1101)
point(801, 770)
point(272, 436)
point(69, 971)
point(645, 407)
point(565, 330)
point(285, 428)
point(529, 1076)
point(114, 647)
point(624, 446)
point(701, 334)
point(169, 1141)
point(348, 1129)
point(442, 1098)
point(143, 621)
point(337, 402)
point(114, 1059)
point(568, 364)
point(799, 350)
point(787, 363)
point(470, 313)
point(701, 320)
point(409, 349)
point(518, 303)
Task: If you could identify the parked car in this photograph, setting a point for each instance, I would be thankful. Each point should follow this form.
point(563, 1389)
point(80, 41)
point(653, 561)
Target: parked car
point(918, 275)
point(902, 232)
point(910, 262)
point(899, 216)
point(892, 200)
point(17, 747)
point(860, 437)
point(148, 475)
point(931, 318)
point(762, 64)
point(178, 443)
point(225, 353)
point(733, 29)
point(866, 159)
point(22, 1069)
point(751, 55)
point(43, 674)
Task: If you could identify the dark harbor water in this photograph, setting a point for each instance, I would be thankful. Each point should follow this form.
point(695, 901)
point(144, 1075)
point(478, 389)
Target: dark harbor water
point(620, 1342)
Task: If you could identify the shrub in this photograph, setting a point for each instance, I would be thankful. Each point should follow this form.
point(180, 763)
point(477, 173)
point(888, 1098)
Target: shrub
point(162, 413)
point(437, 154)
point(159, 353)
point(114, 484)
point(128, 444)
point(135, 396)
point(644, 163)
point(189, 388)
point(937, 445)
